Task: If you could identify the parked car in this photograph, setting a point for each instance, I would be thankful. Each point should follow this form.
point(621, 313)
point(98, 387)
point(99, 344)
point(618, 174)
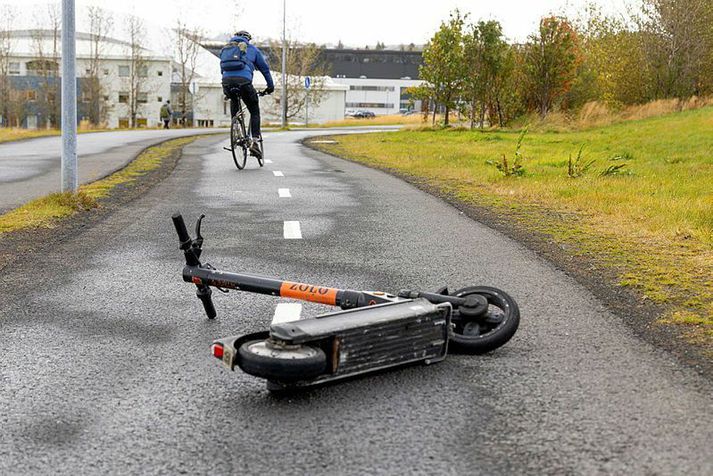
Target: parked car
point(364, 114)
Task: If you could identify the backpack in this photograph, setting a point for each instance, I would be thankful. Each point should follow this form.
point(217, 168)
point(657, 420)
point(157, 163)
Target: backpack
point(233, 56)
point(164, 111)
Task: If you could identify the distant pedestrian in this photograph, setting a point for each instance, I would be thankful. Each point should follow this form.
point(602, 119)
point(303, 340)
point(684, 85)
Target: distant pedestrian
point(166, 113)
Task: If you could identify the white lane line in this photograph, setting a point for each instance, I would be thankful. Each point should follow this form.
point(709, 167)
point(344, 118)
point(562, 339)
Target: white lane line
point(287, 312)
point(278, 173)
point(268, 161)
point(284, 193)
point(291, 230)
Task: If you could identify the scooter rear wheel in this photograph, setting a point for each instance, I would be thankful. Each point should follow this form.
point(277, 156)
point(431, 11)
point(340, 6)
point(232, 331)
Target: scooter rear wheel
point(491, 331)
point(289, 364)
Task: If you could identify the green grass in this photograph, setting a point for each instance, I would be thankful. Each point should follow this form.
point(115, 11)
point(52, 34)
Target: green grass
point(46, 211)
point(651, 221)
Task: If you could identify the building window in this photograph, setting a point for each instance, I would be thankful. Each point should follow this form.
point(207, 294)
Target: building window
point(14, 69)
point(160, 99)
point(124, 98)
point(143, 72)
point(85, 97)
point(373, 105)
point(31, 95)
point(106, 72)
point(372, 88)
point(87, 72)
point(142, 98)
point(124, 123)
point(123, 71)
point(160, 73)
point(106, 98)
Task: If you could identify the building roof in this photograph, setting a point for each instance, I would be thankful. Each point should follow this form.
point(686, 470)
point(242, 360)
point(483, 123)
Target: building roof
point(28, 42)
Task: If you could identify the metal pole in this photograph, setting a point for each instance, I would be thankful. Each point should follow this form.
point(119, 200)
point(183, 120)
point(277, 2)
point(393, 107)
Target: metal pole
point(69, 99)
point(284, 63)
point(307, 109)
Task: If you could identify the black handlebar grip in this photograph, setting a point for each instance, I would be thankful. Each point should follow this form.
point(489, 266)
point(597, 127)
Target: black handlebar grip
point(203, 294)
point(180, 228)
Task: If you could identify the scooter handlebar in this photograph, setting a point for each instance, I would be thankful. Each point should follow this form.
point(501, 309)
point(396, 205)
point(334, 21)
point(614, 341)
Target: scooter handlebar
point(180, 226)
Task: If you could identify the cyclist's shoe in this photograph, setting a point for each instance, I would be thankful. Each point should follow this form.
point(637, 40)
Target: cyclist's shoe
point(255, 149)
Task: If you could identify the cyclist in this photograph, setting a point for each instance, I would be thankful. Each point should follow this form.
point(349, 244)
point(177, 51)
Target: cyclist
point(238, 60)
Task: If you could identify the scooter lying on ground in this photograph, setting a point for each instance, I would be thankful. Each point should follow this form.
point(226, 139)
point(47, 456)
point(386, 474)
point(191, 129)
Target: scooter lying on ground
point(375, 330)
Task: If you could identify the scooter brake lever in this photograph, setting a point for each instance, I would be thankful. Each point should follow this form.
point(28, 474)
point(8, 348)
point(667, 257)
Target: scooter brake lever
point(199, 238)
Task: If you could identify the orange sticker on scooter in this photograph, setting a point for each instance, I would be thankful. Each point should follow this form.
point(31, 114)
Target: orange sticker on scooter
point(308, 292)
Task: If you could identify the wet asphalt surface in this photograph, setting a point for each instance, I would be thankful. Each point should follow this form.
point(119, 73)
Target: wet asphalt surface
point(31, 168)
point(105, 365)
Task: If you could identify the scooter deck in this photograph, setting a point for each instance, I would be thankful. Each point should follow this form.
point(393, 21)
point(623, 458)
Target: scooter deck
point(366, 339)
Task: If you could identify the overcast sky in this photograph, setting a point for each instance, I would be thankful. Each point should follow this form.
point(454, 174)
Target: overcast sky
point(354, 22)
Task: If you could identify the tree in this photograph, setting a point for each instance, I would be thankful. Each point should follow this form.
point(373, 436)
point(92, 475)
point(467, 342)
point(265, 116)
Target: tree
point(678, 40)
point(138, 68)
point(7, 16)
point(302, 60)
point(551, 59)
point(100, 25)
point(443, 67)
point(187, 46)
point(486, 62)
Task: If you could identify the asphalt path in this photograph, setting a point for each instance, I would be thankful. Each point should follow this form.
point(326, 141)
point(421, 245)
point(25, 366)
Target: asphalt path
point(31, 168)
point(104, 351)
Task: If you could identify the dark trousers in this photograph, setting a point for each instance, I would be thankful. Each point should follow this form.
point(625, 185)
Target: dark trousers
point(165, 123)
point(242, 89)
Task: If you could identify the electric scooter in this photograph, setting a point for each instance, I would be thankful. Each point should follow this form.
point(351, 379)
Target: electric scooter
point(374, 330)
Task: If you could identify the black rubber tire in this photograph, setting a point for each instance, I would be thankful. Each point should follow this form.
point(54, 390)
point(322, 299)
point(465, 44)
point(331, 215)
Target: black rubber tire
point(496, 337)
point(240, 152)
point(308, 367)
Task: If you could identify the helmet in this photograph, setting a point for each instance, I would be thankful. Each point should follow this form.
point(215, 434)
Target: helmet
point(244, 34)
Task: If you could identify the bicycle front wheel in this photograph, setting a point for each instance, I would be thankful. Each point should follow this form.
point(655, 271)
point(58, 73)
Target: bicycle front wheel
point(237, 143)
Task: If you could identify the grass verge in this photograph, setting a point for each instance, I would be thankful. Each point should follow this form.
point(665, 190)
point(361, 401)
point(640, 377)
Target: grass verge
point(649, 222)
point(46, 211)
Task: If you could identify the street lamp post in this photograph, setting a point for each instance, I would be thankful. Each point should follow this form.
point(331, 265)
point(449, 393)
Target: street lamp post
point(69, 99)
point(284, 63)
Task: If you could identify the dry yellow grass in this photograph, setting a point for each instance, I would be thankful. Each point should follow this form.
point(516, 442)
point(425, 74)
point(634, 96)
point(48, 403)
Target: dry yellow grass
point(392, 120)
point(598, 114)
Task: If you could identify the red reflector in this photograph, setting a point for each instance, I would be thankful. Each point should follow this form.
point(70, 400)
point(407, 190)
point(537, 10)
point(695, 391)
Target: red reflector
point(217, 350)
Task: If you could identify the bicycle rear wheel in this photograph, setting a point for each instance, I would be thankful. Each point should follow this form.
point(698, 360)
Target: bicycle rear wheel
point(237, 142)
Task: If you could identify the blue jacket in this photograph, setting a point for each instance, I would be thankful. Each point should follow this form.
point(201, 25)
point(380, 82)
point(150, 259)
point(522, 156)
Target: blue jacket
point(253, 60)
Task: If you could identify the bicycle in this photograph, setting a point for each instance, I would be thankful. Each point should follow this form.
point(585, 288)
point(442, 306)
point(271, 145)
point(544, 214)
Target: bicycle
point(375, 330)
point(240, 137)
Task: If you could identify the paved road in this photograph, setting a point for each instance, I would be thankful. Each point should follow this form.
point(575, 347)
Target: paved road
point(31, 168)
point(104, 363)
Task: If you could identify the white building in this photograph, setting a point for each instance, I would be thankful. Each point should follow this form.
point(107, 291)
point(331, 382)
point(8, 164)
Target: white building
point(114, 72)
point(380, 96)
point(210, 109)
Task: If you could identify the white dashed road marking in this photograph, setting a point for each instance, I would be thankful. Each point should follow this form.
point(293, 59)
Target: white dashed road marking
point(284, 192)
point(278, 173)
point(287, 312)
point(292, 231)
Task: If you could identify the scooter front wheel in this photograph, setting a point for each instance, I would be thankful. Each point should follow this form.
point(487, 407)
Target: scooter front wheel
point(263, 359)
point(489, 331)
